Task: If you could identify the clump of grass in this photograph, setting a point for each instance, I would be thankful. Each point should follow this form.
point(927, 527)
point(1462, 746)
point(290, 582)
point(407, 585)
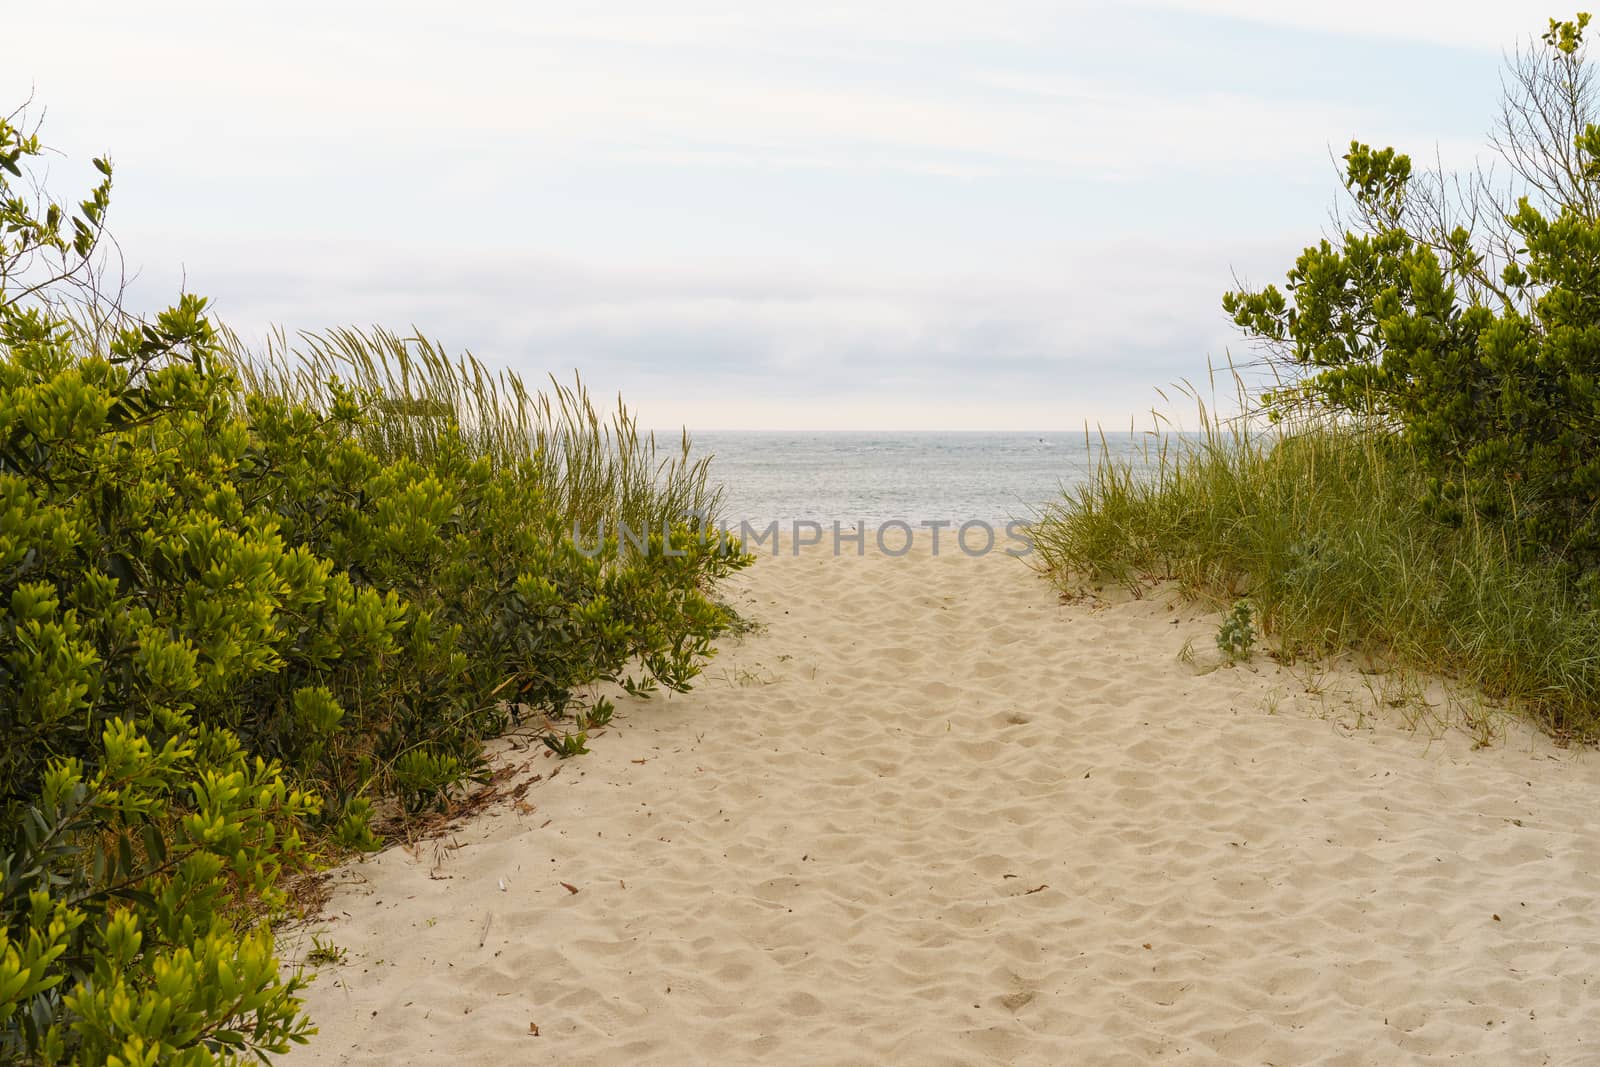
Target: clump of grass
point(325, 952)
point(1325, 528)
point(592, 468)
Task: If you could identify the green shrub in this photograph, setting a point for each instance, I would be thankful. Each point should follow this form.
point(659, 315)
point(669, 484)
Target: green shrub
point(283, 563)
point(500, 607)
point(233, 615)
point(121, 891)
point(1431, 493)
point(137, 579)
point(1466, 319)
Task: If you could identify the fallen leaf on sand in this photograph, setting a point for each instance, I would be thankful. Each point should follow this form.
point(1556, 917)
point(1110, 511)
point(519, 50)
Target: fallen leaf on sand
point(1034, 890)
point(569, 887)
point(533, 1029)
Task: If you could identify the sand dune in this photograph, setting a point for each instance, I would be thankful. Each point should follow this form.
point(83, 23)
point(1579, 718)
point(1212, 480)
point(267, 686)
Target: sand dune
point(931, 815)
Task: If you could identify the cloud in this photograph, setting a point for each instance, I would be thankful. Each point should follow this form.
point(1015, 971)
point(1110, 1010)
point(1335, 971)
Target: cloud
point(736, 346)
point(819, 214)
point(874, 87)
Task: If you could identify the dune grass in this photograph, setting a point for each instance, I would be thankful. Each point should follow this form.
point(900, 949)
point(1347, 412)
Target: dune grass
point(1324, 528)
point(592, 468)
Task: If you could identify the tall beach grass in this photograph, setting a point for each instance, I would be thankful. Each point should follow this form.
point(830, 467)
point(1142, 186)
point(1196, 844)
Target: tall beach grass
point(593, 468)
point(1324, 527)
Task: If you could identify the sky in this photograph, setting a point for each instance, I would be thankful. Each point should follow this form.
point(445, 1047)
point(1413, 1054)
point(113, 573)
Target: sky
point(872, 215)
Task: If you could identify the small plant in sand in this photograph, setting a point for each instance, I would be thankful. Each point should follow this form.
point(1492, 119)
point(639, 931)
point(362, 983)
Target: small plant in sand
point(325, 952)
point(596, 717)
point(567, 745)
point(1236, 637)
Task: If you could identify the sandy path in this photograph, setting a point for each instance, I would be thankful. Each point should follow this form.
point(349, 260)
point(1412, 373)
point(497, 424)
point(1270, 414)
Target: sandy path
point(932, 816)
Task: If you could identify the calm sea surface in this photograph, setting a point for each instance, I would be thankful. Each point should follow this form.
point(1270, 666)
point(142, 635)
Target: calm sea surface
point(914, 477)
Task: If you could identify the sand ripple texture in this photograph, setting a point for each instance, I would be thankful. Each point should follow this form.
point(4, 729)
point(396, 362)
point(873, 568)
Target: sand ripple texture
point(932, 815)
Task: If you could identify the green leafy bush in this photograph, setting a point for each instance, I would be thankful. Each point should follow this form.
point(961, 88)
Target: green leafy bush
point(120, 891)
point(1429, 490)
point(241, 611)
point(1465, 320)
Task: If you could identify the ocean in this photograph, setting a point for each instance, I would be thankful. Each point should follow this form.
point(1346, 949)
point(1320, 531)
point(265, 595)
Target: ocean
point(913, 477)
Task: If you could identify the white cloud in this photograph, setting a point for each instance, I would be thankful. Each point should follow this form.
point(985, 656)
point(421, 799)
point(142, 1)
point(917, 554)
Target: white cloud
point(979, 301)
point(544, 82)
point(731, 346)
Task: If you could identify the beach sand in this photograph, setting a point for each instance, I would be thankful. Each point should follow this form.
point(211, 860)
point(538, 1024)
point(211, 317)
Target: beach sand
point(930, 814)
